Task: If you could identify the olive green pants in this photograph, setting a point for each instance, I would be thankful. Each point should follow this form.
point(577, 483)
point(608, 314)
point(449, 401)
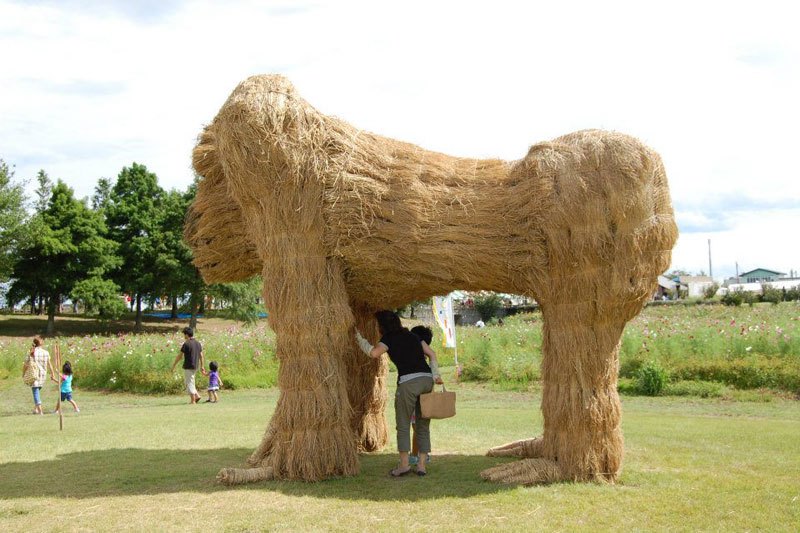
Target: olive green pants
point(406, 403)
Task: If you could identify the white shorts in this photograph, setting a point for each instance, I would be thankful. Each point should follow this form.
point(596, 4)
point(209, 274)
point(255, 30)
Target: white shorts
point(188, 379)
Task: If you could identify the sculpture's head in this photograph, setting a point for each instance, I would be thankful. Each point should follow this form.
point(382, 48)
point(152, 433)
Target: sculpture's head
point(214, 227)
point(253, 148)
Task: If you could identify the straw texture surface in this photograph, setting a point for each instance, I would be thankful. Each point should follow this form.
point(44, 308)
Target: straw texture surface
point(341, 222)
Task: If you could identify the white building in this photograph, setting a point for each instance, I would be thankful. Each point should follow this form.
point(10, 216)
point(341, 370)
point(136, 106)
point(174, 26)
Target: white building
point(756, 287)
point(695, 285)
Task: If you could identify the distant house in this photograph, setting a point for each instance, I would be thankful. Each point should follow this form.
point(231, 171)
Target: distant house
point(760, 275)
point(781, 284)
point(665, 289)
point(695, 285)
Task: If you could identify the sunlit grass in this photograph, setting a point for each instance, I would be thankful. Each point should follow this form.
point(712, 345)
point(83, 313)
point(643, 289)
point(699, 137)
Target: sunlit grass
point(130, 462)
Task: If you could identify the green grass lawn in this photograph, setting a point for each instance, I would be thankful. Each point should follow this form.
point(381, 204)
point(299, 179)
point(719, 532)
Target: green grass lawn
point(148, 463)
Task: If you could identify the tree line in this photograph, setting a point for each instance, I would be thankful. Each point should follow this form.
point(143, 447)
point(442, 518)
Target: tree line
point(126, 239)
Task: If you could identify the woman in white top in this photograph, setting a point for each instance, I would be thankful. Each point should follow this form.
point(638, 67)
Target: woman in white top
point(41, 358)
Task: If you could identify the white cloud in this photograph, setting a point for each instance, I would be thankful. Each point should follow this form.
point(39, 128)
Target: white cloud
point(88, 87)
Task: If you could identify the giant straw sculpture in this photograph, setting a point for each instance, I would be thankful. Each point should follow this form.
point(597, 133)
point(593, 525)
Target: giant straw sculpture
point(341, 222)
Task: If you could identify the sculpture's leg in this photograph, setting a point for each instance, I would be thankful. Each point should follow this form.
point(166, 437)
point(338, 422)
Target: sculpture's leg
point(367, 385)
point(582, 438)
point(310, 436)
point(605, 238)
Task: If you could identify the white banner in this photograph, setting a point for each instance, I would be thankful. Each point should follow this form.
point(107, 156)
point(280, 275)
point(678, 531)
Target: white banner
point(443, 312)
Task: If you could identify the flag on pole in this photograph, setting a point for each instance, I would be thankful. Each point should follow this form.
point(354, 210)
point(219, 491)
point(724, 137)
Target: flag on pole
point(443, 312)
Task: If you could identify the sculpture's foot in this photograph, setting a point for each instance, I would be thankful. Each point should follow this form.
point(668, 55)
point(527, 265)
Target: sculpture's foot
point(240, 476)
point(307, 455)
point(525, 472)
point(522, 448)
point(532, 470)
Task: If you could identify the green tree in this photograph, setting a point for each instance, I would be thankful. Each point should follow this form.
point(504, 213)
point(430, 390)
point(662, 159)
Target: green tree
point(672, 274)
point(770, 294)
point(134, 218)
point(175, 272)
point(12, 219)
point(732, 298)
point(711, 291)
point(43, 192)
point(102, 194)
point(68, 246)
point(101, 296)
point(488, 305)
point(241, 300)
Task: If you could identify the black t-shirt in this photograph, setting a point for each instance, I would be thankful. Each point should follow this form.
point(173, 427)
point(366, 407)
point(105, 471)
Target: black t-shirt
point(191, 354)
point(405, 351)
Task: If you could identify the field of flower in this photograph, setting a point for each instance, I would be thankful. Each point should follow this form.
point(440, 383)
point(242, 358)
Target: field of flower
point(702, 350)
point(140, 363)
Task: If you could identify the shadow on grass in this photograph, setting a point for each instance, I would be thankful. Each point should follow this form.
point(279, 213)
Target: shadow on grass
point(66, 326)
point(135, 471)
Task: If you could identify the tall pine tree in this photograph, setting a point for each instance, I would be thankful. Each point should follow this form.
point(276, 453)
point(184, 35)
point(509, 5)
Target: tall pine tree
point(102, 194)
point(44, 191)
point(174, 258)
point(68, 247)
point(12, 219)
point(134, 213)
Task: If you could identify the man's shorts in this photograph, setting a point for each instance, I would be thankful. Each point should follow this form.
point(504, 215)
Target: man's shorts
point(188, 379)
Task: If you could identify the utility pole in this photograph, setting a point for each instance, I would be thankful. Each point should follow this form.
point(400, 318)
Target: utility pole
point(710, 272)
point(737, 272)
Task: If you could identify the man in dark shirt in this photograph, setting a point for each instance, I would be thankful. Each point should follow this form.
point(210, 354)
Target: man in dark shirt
point(192, 354)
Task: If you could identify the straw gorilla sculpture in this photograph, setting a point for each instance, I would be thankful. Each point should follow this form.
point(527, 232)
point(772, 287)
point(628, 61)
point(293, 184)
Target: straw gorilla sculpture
point(341, 223)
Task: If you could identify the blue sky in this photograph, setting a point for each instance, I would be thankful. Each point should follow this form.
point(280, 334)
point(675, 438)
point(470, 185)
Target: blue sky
point(87, 87)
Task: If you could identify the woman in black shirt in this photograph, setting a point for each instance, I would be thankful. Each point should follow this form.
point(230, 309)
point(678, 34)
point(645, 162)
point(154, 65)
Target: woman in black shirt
point(414, 377)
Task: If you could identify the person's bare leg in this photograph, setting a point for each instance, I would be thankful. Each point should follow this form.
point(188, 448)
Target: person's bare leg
point(422, 462)
point(403, 466)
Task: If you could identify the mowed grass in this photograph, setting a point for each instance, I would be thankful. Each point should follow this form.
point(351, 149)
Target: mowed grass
point(148, 463)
